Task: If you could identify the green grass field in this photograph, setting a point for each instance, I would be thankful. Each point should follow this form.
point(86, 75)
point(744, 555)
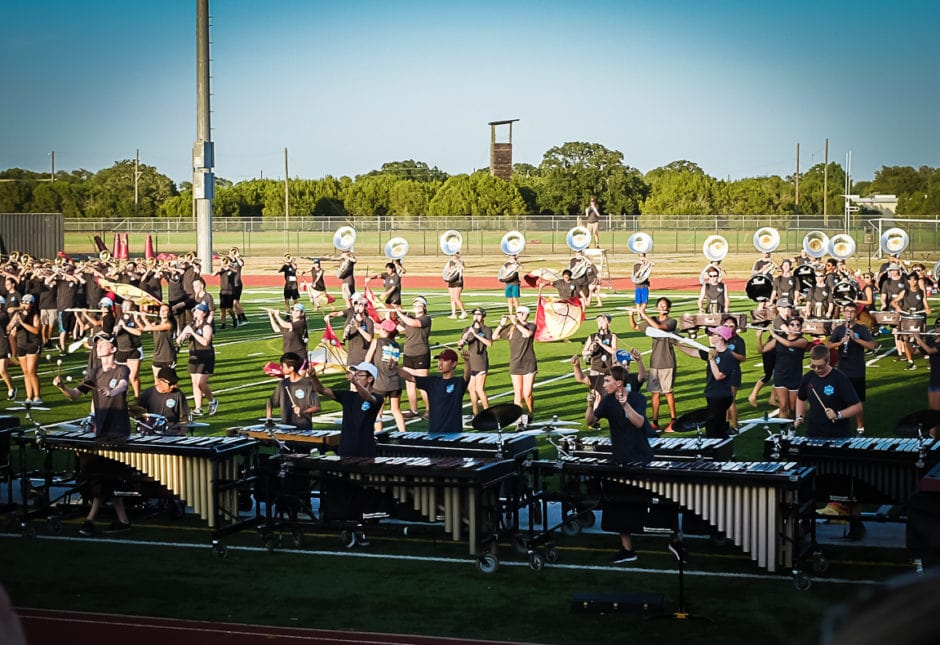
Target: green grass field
point(171, 571)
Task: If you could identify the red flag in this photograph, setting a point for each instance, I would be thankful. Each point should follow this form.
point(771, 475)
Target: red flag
point(329, 336)
point(557, 319)
point(370, 304)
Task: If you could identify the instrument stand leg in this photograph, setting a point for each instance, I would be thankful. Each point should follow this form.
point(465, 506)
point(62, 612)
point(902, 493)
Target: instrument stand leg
point(677, 548)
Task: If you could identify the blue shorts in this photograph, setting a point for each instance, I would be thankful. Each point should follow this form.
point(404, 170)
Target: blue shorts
point(511, 291)
point(641, 295)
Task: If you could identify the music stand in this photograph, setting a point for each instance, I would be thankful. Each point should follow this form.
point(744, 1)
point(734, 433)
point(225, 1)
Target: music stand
point(677, 549)
point(496, 418)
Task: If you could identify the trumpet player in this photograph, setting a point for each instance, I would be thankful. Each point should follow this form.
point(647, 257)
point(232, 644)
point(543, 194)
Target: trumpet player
point(523, 364)
point(291, 292)
point(127, 333)
point(453, 275)
point(317, 289)
point(25, 329)
point(236, 265)
point(477, 339)
point(5, 349)
point(600, 352)
point(347, 275)
point(201, 358)
point(226, 292)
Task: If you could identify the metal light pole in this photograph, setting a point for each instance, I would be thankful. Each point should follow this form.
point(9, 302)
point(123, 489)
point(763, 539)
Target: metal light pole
point(203, 149)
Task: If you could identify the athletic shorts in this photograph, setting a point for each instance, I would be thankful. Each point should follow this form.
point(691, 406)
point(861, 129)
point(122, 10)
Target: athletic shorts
point(237, 292)
point(422, 362)
point(660, 379)
point(226, 300)
point(641, 295)
point(48, 316)
point(290, 292)
point(511, 291)
point(129, 355)
point(392, 394)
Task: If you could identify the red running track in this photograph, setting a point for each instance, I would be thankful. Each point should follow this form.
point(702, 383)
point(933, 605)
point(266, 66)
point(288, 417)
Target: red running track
point(50, 627)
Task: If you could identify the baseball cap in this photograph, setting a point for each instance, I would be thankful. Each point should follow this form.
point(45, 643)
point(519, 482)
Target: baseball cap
point(106, 302)
point(724, 332)
point(480, 310)
point(103, 336)
point(203, 307)
point(623, 356)
point(28, 299)
point(367, 367)
point(358, 297)
point(894, 266)
point(389, 325)
point(522, 309)
point(448, 355)
point(421, 300)
point(168, 374)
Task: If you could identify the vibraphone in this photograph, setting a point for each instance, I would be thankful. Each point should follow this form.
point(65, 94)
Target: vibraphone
point(205, 473)
point(757, 505)
point(672, 447)
point(307, 440)
point(880, 469)
point(506, 445)
point(463, 493)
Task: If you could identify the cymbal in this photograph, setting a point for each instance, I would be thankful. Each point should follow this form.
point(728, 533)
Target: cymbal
point(269, 420)
point(154, 416)
point(265, 427)
point(554, 423)
point(545, 432)
point(193, 424)
point(767, 420)
point(497, 417)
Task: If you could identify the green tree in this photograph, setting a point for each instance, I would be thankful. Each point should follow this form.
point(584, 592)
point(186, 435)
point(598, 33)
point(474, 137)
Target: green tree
point(494, 196)
point(574, 171)
point(411, 169)
point(812, 191)
point(680, 188)
point(369, 195)
point(409, 197)
point(112, 191)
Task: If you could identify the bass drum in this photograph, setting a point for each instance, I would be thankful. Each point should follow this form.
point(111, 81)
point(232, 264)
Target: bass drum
point(805, 276)
point(844, 293)
point(759, 287)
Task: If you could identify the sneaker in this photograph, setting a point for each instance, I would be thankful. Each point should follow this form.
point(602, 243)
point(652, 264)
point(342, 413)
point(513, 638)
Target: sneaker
point(87, 529)
point(197, 412)
point(243, 321)
point(623, 555)
point(118, 526)
point(453, 316)
point(11, 394)
point(38, 399)
point(426, 416)
point(655, 426)
point(910, 366)
point(463, 314)
point(213, 406)
point(409, 414)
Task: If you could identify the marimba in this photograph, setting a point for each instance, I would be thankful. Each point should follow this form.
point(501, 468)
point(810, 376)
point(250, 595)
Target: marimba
point(463, 493)
point(505, 445)
point(881, 469)
point(322, 440)
point(203, 472)
point(758, 505)
point(672, 447)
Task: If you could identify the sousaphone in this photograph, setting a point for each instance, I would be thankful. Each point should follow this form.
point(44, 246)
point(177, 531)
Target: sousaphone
point(344, 238)
point(640, 242)
point(894, 241)
point(841, 246)
point(451, 242)
point(766, 239)
point(578, 238)
point(715, 248)
point(512, 243)
point(816, 244)
point(396, 248)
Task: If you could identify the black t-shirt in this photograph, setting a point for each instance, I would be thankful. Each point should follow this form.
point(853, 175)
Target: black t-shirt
point(727, 365)
point(289, 393)
point(446, 402)
point(111, 418)
point(851, 354)
point(393, 281)
point(171, 405)
point(835, 390)
point(628, 443)
point(357, 438)
point(295, 338)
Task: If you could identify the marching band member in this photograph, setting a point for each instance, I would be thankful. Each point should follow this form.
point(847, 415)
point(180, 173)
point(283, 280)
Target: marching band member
point(510, 277)
point(201, 358)
point(166, 399)
point(891, 286)
point(291, 292)
point(819, 302)
point(25, 330)
point(444, 392)
point(357, 330)
point(911, 301)
point(600, 351)
point(347, 275)
point(713, 297)
point(226, 292)
point(384, 354)
point(67, 286)
point(785, 284)
point(454, 270)
point(662, 370)
point(391, 282)
point(789, 346)
point(361, 405)
point(294, 332)
point(852, 340)
point(164, 333)
point(5, 349)
point(592, 217)
point(477, 339)
point(739, 351)
point(721, 372)
point(127, 340)
point(931, 348)
point(295, 395)
point(236, 265)
point(763, 264)
point(417, 351)
point(523, 364)
point(769, 359)
point(317, 288)
point(641, 290)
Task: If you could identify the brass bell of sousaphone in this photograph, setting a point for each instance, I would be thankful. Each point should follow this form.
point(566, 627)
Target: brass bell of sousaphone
point(578, 238)
point(512, 243)
point(396, 248)
point(715, 248)
point(894, 241)
point(816, 244)
point(841, 246)
point(640, 242)
point(344, 238)
point(451, 242)
point(766, 239)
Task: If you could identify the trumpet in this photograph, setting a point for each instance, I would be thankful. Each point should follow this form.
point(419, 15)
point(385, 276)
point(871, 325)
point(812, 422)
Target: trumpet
point(288, 258)
point(105, 256)
point(233, 252)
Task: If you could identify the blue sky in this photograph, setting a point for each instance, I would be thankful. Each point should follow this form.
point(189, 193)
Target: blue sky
point(347, 86)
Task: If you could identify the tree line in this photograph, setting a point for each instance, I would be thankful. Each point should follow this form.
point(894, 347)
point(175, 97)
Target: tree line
point(561, 185)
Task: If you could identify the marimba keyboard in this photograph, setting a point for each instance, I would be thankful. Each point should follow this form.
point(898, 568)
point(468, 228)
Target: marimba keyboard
point(459, 444)
point(322, 440)
point(755, 504)
point(191, 468)
point(891, 466)
point(678, 447)
point(459, 491)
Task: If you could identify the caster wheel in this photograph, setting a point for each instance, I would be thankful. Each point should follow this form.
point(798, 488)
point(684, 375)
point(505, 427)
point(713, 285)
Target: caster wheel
point(571, 528)
point(361, 539)
point(220, 551)
point(551, 554)
point(536, 561)
point(348, 538)
point(487, 563)
point(820, 563)
point(519, 546)
point(802, 581)
point(54, 524)
point(586, 520)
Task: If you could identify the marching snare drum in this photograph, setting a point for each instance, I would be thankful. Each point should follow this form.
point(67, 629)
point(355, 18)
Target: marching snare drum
point(912, 323)
point(816, 327)
point(886, 318)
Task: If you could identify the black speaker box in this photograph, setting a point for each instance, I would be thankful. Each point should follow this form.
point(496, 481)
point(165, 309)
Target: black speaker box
point(643, 604)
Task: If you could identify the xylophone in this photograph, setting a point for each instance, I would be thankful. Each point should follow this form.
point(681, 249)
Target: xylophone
point(885, 469)
point(458, 444)
point(322, 440)
point(758, 505)
point(461, 492)
point(672, 447)
point(202, 471)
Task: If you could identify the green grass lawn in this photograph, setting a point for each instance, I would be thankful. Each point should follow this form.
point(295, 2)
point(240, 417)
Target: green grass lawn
point(322, 585)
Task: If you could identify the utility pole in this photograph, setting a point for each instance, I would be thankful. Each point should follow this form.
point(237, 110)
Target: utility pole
point(286, 192)
point(826, 186)
point(52, 174)
point(136, 180)
point(203, 148)
point(797, 176)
